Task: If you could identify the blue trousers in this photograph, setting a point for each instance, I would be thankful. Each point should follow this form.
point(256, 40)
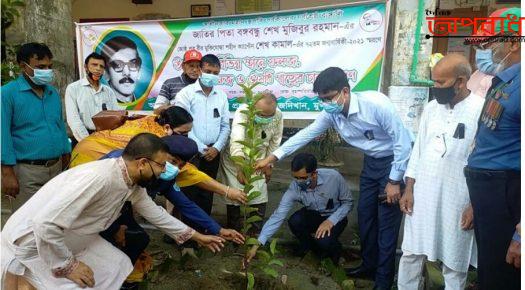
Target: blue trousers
point(496, 200)
point(378, 222)
point(303, 223)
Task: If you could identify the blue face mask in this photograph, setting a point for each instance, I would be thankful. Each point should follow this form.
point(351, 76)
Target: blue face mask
point(303, 185)
point(41, 76)
point(171, 172)
point(333, 107)
point(263, 120)
point(484, 61)
point(209, 80)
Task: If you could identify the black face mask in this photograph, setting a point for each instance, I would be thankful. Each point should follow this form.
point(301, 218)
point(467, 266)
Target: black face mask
point(443, 95)
point(148, 183)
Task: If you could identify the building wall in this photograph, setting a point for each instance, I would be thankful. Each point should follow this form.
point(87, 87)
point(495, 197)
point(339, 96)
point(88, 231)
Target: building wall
point(176, 9)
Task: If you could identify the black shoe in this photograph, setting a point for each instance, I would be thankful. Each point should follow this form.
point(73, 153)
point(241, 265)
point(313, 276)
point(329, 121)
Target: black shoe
point(168, 240)
point(360, 272)
point(379, 288)
point(130, 286)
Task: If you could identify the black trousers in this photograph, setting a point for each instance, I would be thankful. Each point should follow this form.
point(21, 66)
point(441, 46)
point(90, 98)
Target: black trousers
point(378, 222)
point(495, 198)
point(136, 237)
point(203, 198)
point(303, 223)
point(234, 218)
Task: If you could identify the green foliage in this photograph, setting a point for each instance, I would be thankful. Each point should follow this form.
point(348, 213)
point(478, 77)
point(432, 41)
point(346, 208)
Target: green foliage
point(10, 11)
point(337, 273)
point(252, 151)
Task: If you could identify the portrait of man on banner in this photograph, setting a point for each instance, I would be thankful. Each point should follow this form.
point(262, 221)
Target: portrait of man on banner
point(129, 68)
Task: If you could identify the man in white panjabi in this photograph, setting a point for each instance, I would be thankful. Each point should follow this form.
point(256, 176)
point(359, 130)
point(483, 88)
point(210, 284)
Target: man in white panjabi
point(53, 240)
point(439, 217)
point(271, 132)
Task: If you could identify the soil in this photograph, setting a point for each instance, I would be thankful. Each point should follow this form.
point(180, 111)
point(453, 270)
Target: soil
point(222, 270)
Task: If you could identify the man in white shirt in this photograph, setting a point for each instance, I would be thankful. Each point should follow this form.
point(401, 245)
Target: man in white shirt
point(87, 96)
point(53, 240)
point(439, 216)
point(209, 108)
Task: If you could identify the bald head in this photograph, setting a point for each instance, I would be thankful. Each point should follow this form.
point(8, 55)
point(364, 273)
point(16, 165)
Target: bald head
point(267, 104)
point(453, 65)
point(451, 72)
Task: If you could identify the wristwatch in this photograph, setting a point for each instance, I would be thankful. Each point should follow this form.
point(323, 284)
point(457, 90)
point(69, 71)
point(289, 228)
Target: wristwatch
point(394, 182)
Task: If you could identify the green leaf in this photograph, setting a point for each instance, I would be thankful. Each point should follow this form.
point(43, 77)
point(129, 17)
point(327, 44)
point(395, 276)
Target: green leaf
point(246, 228)
point(254, 195)
point(253, 218)
point(263, 255)
point(252, 241)
point(272, 246)
point(276, 262)
point(271, 272)
point(251, 281)
point(256, 178)
point(247, 188)
point(241, 100)
point(248, 210)
point(245, 143)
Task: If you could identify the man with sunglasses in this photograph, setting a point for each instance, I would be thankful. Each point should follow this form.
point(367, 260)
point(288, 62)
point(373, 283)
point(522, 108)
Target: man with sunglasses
point(123, 69)
point(327, 200)
point(368, 121)
point(439, 218)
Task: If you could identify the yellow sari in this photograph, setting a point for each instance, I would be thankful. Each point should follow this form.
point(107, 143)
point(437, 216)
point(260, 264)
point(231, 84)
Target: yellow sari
point(101, 143)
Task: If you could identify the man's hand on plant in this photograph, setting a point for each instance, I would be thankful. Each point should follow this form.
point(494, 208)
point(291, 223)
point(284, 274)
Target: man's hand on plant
point(210, 153)
point(232, 235)
point(263, 163)
point(240, 177)
point(324, 229)
point(268, 173)
point(250, 254)
point(82, 275)
point(236, 195)
point(213, 243)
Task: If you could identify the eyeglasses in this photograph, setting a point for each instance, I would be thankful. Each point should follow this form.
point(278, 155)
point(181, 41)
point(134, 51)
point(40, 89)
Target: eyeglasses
point(118, 65)
point(159, 164)
point(329, 100)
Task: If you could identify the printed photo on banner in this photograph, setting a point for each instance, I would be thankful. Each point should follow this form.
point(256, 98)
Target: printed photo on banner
point(130, 66)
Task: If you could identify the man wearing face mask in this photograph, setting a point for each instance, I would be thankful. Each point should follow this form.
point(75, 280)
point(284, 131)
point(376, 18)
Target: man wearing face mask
point(494, 171)
point(367, 121)
point(126, 234)
point(53, 239)
point(208, 106)
point(439, 219)
point(35, 146)
point(190, 73)
point(485, 45)
point(87, 96)
point(271, 131)
point(327, 200)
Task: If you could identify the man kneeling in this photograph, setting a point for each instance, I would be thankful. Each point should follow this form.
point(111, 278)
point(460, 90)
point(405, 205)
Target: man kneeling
point(327, 201)
point(53, 241)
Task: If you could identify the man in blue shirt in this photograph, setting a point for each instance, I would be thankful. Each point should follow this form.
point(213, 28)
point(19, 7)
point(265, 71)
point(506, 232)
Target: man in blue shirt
point(327, 200)
point(35, 146)
point(208, 106)
point(369, 122)
point(494, 172)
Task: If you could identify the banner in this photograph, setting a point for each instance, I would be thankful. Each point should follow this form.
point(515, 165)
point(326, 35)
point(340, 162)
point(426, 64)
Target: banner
point(283, 51)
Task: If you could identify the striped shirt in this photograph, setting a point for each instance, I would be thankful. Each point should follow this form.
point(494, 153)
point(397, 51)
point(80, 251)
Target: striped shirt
point(169, 90)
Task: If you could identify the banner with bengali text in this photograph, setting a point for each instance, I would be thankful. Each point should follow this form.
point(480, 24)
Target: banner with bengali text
point(283, 51)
